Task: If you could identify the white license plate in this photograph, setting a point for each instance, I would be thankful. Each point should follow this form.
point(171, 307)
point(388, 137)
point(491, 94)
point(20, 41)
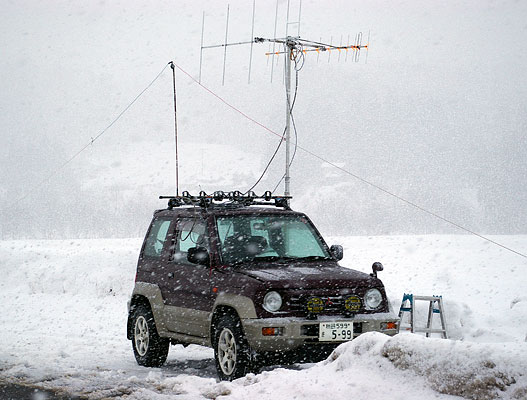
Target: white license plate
point(335, 331)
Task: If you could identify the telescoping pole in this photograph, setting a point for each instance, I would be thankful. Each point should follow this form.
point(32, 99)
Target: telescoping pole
point(175, 126)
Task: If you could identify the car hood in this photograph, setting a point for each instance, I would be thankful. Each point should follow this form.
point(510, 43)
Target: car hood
point(327, 274)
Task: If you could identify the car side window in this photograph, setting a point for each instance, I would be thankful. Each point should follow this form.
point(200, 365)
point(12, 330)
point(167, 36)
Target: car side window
point(156, 238)
point(190, 232)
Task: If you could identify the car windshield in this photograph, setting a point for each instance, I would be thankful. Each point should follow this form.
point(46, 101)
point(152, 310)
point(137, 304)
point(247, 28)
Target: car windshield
point(268, 238)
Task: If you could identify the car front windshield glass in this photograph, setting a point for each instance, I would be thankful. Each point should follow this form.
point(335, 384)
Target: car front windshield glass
point(268, 238)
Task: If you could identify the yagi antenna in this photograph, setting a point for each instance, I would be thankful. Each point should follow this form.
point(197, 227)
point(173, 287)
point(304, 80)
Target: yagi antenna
point(291, 47)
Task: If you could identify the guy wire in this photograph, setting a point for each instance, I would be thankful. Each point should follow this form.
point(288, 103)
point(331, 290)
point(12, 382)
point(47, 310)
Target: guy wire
point(74, 156)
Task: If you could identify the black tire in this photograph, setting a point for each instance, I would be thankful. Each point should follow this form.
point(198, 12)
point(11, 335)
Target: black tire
point(150, 350)
point(232, 353)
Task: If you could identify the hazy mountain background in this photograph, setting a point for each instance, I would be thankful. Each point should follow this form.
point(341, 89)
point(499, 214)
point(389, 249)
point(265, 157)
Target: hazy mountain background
point(437, 115)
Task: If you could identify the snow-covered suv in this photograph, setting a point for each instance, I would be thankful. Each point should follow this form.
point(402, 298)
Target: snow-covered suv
point(251, 278)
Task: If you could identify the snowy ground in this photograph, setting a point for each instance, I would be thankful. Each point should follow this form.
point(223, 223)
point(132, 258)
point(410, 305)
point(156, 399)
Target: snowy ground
point(64, 315)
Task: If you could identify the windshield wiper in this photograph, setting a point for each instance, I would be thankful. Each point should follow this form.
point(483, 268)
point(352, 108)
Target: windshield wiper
point(278, 259)
point(249, 260)
point(314, 258)
point(274, 258)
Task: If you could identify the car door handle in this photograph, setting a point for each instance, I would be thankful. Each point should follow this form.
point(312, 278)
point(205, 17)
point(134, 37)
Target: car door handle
point(170, 274)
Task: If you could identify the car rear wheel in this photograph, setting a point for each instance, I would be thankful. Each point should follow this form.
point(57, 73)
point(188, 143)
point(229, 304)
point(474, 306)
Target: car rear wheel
point(150, 350)
point(232, 353)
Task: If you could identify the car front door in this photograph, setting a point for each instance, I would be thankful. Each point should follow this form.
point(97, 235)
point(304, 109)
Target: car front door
point(189, 299)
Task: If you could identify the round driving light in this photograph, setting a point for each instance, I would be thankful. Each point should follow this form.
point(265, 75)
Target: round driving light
point(272, 301)
point(315, 305)
point(352, 304)
point(372, 299)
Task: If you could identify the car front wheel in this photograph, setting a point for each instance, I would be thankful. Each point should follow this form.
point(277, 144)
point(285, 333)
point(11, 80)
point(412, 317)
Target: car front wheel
point(150, 350)
point(232, 353)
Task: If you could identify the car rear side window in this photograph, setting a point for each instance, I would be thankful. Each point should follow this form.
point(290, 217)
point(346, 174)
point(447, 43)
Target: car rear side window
point(156, 238)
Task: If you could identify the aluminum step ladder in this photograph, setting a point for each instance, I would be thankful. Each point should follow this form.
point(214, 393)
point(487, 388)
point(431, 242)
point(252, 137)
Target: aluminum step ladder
point(433, 300)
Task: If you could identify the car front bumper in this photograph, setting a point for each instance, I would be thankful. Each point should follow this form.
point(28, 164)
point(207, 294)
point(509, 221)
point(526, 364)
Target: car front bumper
point(297, 332)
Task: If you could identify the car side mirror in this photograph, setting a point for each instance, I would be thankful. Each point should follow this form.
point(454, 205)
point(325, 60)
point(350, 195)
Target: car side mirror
point(376, 267)
point(337, 252)
point(198, 255)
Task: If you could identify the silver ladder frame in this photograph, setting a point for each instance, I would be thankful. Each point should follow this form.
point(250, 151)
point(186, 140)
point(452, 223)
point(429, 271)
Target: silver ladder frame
point(428, 330)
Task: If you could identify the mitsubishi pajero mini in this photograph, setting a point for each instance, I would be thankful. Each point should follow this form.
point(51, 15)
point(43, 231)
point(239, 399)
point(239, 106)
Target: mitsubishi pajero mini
point(251, 278)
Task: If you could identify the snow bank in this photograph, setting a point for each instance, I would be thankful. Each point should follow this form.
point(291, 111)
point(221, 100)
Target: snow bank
point(403, 367)
point(356, 370)
point(471, 370)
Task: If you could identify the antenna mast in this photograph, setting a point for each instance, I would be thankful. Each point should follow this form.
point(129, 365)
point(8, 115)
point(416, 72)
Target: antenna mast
point(289, 48)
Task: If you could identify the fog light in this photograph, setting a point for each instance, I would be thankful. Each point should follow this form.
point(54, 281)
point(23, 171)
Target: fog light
point(352, 304)
point(272, 331)
point(315, 305)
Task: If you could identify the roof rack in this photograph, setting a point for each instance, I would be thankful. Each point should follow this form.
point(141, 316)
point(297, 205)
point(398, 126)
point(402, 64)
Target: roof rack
point(220, 198)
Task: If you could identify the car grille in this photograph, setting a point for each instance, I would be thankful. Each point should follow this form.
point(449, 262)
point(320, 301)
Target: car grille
point(330, 304)
point(311, 304)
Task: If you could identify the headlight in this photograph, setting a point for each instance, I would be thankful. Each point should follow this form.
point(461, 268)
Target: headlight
point(272, 301)
point(372, 299)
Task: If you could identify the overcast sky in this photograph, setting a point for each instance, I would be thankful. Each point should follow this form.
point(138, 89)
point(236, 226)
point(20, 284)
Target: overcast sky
point(437, 115)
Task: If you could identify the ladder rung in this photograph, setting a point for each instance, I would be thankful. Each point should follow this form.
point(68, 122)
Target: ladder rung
point(426, 330)
point(408, 309)
point(427, 298)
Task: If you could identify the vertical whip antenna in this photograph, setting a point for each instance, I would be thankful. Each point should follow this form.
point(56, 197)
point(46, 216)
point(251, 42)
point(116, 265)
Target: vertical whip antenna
point(175, 125)
point(299, 16)
point(294, 22)
point(225, 46)
point(287, 20)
